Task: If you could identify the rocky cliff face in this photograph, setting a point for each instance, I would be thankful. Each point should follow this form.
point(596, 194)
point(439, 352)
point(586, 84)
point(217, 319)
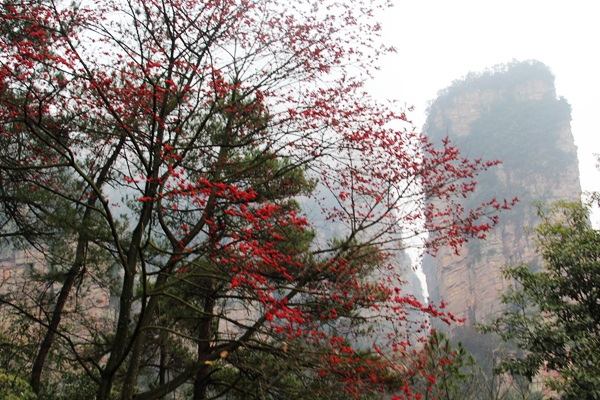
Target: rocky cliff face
point(511, 114)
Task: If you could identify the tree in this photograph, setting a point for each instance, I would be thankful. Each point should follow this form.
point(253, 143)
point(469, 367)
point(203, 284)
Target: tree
point(154, 160)
point(446, 370)
point(553, 312)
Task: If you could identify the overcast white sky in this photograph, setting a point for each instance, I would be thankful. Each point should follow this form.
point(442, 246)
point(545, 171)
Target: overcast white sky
point(439, 41)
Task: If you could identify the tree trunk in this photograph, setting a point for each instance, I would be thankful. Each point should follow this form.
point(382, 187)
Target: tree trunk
point(204, 338)
point(40, 360)
point(76, 268)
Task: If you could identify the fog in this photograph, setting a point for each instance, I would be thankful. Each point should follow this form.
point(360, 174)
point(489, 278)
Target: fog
point(439, 41)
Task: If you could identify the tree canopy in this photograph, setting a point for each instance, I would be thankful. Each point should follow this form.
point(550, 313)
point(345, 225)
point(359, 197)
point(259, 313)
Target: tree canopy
point(154, 160)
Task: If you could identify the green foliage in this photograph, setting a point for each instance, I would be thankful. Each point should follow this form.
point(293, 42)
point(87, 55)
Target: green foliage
point(553, 315)
point(14, 388)
point(449, 369)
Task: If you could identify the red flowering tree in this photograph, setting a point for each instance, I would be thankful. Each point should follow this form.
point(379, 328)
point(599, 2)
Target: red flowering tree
point(155, 156)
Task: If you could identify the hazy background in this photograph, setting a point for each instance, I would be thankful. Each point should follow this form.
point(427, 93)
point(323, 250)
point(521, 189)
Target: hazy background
point(439, 41)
